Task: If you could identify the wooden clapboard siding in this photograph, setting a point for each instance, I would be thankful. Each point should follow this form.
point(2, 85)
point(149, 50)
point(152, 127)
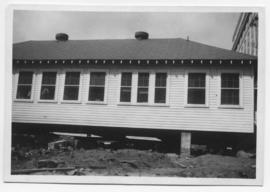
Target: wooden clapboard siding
point(175, 115)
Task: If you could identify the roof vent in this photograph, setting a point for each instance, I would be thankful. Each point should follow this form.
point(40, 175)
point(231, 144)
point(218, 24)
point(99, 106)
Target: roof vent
point(141, 35)
point(61, 37)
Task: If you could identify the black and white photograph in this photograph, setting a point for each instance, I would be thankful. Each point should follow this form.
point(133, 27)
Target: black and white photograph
point(135, 96)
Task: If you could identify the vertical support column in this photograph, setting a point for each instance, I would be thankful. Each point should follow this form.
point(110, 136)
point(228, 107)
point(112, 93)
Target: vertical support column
point(185, 144)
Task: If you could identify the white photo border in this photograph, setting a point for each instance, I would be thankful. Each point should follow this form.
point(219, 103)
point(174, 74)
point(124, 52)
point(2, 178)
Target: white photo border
point(132, 180)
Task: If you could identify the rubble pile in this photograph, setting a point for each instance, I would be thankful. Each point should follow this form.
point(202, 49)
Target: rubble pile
point(62, 157)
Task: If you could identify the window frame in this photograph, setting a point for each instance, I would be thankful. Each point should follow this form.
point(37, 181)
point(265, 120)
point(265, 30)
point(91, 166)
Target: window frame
point(56, 92)
point(131, 87)
point(207, 81)
point(166, 87)
point(63, 86)
point(17, 74)
point(151, 87)
point(240, 105)
point(104, 102)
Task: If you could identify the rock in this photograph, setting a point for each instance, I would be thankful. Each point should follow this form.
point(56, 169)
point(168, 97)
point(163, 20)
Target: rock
point(47, 163)
point(72, 172)
point(243, 154)
point(172, 155)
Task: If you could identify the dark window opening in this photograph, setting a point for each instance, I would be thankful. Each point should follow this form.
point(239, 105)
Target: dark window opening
point(160, 87)
point(143, 83)
point(125, 91)
point(72, 84)
point(24, 88)
point(196, 88)
point(47, 91)
point(97, 86)
point(230, 89)
point(255, 88)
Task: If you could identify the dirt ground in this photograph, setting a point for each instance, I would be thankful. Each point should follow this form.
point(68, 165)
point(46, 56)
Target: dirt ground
point(131, 162)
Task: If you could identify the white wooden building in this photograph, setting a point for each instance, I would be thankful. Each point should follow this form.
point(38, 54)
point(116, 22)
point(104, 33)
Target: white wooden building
point(142, 83)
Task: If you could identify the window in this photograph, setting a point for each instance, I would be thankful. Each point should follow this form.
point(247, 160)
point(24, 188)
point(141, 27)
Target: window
point(72, 84)
point(24, 88)
point(255, 89)
point(125, 92)
point(196, 88)
point(160, 88)
point(97, 86)
point(229, 89)
point(48, 85)
point(143, 83)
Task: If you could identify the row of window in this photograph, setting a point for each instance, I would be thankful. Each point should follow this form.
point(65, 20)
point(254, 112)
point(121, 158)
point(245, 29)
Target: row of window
point(196, 94)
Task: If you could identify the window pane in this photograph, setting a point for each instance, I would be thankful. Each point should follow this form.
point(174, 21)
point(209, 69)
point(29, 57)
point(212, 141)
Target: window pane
point(25, 77)
point(161, 79)
point(96, 94)
point(71, 92)
point(125, 95)
point(97, 78)
point(160, 95)
point(196, 96)
point(49, 78)
point(230, 96)
point(196, 80)
point(47, 92)
point(72, 78)
point(143, 79)
point(24, 92)
point(229, 80)
point(142, 95)
point(126, 79)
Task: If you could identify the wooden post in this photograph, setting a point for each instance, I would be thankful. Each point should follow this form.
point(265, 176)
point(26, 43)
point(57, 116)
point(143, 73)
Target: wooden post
point(185, 144)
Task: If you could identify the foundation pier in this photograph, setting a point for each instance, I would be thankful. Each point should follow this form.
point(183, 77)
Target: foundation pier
point(185, 144)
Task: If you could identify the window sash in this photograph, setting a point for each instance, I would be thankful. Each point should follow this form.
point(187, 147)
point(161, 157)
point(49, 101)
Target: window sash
point(24, 93)
point(197, 80)
point(97, 86)
point(196, 93)
point(142, 95)
point(196, 96)
point(72, 81)
point(125, 94)
point(97, 78)
point(126, 87)
point(24, 87)
point(160, 88)
point(161, 96)
point(230, 96)
point(48, 86)
point(143, 87)
point(72, 84)
point(47, 92)
point(126, 79)
point(96, 93)
point(230, 89)
point(23, 78)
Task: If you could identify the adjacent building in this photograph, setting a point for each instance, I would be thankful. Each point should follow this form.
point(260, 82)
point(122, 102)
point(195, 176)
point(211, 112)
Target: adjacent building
point(245, 40)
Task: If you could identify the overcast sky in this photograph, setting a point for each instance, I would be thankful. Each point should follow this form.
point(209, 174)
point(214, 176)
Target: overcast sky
point(210, 28)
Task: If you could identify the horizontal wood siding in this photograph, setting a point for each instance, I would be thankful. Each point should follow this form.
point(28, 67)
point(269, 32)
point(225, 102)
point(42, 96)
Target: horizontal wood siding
point(176, 115)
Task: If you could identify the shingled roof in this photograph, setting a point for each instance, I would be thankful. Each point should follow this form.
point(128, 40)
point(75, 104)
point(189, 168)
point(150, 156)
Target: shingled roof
point(176, 49)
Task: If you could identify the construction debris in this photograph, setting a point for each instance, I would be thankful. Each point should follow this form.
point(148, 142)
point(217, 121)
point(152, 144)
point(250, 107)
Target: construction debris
point(244, 154)
point(29, 171)
point(104, 158)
